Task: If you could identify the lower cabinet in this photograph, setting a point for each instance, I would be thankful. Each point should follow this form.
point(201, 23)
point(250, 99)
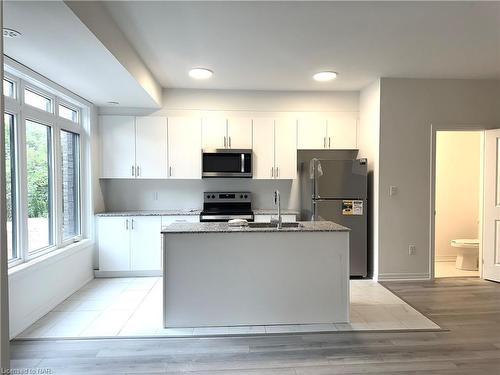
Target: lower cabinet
point(131, 243)
point(267, 218)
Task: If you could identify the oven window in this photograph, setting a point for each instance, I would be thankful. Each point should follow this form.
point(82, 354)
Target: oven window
point(230, 163)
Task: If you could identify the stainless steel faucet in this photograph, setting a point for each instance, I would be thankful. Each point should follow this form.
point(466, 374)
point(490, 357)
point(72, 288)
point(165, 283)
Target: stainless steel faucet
point(277, 201)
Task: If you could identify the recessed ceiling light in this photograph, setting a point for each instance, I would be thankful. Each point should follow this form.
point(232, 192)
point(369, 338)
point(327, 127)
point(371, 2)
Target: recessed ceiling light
point(200, 73)
point(113, 103)
point(325, 76)
point(10, 33)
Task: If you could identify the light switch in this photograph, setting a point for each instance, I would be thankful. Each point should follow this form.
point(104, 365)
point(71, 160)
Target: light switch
point(393, 190)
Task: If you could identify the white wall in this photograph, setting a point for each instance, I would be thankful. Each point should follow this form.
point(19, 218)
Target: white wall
point(408, 109)
point(37, 287)
point(138, 194)
point(369, 147)
point(458, 157)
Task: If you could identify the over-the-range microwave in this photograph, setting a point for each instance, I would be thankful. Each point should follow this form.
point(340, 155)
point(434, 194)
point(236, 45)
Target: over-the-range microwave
point(227, 163)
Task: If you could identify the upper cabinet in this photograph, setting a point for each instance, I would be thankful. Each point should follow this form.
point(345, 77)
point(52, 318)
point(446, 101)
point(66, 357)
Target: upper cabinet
point(239, 133)
point(275, 148)
point(117, 136)
point(339, 131)
point(233, 133)
point(151, 147)
point(184, 147)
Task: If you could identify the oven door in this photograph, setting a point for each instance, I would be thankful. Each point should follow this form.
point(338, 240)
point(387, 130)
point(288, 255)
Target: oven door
point(227, 163)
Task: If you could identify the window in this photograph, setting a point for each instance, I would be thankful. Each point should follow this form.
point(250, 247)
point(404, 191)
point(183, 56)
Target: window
point(45, 133)
point(10, 180)
point(9, 88)
point(70, 172)
point(39, 180)
point(68, 113)
point(37, 100)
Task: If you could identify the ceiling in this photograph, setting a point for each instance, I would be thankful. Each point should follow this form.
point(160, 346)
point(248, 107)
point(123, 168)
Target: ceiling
point(279, 45)
point(56, 44)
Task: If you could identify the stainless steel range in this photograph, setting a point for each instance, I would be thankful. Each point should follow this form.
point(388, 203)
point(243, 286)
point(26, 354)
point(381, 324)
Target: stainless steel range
point(224, 206)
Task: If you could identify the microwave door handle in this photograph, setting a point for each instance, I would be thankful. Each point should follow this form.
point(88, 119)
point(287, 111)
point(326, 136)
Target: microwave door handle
point(242, 163)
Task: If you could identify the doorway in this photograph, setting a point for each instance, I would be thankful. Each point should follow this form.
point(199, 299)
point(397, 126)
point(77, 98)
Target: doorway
point(458, 203)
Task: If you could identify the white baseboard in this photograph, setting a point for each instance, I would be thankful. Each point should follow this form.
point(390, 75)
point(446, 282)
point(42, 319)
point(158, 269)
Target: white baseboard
point(98, 273)
point(403, 276)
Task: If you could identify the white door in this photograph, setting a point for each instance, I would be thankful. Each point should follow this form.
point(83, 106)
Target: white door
point(285, 140)
point(114, 243)
point(151, 147)
point(263, 148)
point(214, 133)
point(117, 136)
point(311, 133)
point(184, 147)
point(239, 133)
point(145, 243)
point(342, 131)
point(491, 201)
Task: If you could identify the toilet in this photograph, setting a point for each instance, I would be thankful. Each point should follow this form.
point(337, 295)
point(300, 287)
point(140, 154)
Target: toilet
point(467, 254)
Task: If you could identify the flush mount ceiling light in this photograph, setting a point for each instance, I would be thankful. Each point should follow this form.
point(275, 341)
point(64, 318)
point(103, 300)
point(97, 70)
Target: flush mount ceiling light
point(11, 33)
point(200, 73)
point(113, 103)
point(325, 76)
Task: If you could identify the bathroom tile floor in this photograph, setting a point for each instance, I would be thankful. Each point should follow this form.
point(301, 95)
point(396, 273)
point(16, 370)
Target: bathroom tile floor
point(132, 307)
point(448, 269)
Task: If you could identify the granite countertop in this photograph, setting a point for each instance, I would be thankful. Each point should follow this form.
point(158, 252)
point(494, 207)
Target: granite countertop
point(193, 212)
point(152, 213)
point(305, 226)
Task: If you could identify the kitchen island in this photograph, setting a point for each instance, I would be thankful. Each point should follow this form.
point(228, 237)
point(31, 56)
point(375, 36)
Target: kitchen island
point(216, 275)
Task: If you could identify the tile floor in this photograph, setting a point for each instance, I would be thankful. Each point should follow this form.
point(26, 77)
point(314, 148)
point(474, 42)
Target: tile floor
point(448, 269)
point(121, 307)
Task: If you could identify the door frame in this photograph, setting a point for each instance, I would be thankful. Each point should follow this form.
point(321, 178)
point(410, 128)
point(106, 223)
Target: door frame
point(435, 127)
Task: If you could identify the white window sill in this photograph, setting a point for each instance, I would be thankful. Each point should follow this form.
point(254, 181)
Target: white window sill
point(48, 258)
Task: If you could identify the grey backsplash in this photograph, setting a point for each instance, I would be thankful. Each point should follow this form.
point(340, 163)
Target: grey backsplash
point(125, 195)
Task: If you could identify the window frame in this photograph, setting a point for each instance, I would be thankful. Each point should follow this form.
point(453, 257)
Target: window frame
point(24, 78)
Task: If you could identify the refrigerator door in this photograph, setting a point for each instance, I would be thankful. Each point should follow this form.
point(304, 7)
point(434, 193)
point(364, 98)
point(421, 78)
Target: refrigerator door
point(339, 178)
point(351, 214)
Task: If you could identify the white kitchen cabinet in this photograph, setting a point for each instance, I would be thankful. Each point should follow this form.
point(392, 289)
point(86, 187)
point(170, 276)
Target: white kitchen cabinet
point(342, 131)
point(233, 133)
point(214, 133)
point(285, 148)
point(275, 149)
point(263, 149)
point(114, 243)
point(184, 147)
point(312, 133)
point(337, 132)
point(145, 243)
point(151, 147)
point(267, 218)
point(129, 243)
point(117, 141)
point(239, 133)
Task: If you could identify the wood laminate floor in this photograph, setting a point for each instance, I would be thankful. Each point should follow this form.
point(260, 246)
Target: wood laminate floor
point(468, 308)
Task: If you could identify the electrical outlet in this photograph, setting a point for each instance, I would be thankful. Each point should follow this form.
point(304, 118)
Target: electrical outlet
point(155, 196)
point(412, 249)
point(393, 190)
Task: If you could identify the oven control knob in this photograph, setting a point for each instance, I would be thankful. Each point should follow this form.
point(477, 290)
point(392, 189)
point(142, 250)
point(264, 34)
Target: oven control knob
point(213, 196)
point(246, 196)
point(241, 196)
point(208, 196)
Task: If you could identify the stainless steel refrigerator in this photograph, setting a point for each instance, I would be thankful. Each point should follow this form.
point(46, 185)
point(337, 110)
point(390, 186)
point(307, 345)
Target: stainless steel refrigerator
point(336, 190)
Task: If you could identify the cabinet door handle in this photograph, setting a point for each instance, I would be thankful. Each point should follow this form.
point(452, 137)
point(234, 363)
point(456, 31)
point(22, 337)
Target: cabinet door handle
point(272, 171)
point(324, 142)
point(229, 142)
point(170, 171)
point(132, 224)
point(133, 171)
point(138, 169)
point(277, 171)
point(126, 224)
point(225, 142)
point(329, 142)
